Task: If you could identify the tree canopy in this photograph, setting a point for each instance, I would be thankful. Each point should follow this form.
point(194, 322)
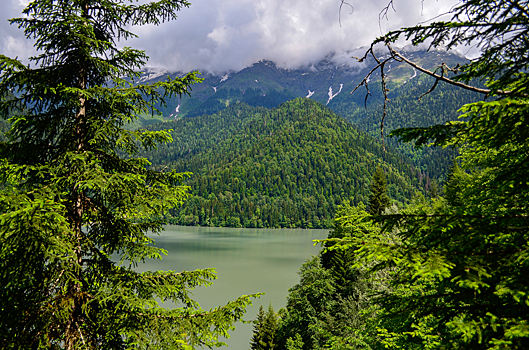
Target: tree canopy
point(459, 264)
point(378, 199)
point(286, 167)
point(74, 214)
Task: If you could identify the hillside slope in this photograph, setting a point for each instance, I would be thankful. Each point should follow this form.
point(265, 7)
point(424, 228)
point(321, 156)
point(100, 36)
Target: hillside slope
point(283, 167)
point(330, 83)
point(405, 110)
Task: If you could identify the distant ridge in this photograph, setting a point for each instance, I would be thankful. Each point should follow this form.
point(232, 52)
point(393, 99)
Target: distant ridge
point(330, 81)
point(264, 83)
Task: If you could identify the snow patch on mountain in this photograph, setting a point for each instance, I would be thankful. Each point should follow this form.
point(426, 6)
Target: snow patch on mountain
point(214, 88)
point(152, 73)
point(310, 94)
point(224, 78)
point(331, 95)
point(177, 110)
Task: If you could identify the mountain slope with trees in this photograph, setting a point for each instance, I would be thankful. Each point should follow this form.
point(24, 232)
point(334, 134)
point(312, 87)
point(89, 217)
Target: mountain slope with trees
point(284, 167)
point(410, 105)
point(264, 84)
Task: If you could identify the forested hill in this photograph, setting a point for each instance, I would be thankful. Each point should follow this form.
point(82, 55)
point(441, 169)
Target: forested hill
point(283, 167)
point(405, 110)
point(267, 85)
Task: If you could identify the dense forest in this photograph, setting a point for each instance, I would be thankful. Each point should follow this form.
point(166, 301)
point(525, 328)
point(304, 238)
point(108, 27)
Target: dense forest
point(445, 272)
point(403, 267)
point(404, 107)
point(407, 107)
point(284, 167)
point(266, 85)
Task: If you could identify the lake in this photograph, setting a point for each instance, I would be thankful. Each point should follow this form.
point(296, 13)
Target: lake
point(248, 261)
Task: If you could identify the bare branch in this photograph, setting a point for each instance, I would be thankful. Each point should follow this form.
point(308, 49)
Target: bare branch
point(384, 110)
point(431, 89)
point(340, 11)
point(395, 56)
point(384, 13)
point(364, 82)
point(442, 78)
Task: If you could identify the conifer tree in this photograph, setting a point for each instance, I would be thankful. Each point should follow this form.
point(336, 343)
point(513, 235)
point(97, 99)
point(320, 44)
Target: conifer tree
point(454, 186)
point(433, 189)
point(255, 342)
point(74, 215)
point(458, 271)
point(378, 200)
point(265, 329)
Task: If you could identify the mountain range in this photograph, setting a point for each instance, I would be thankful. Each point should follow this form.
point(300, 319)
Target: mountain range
point(276, 147)
point(265, 84)
point(330, 82)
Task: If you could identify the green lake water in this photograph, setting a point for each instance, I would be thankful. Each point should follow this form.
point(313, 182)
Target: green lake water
point(247, 261)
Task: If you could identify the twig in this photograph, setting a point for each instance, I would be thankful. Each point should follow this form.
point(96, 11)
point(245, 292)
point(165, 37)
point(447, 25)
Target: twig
point(442, 78)
point(79, 329)
point(340, 11)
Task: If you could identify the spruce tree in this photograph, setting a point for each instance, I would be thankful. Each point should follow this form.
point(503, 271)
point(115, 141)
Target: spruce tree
point(433, 189)
point(459, 271)
point(378, 200)
point(265, 329)
point(454, 185)
point(258, 323)
point(74, 215)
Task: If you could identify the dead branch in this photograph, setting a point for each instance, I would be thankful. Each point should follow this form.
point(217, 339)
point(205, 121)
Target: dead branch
point(395, 56)
point(443, 78)
point(384, 13)
point(364, 82)
point(340, 10)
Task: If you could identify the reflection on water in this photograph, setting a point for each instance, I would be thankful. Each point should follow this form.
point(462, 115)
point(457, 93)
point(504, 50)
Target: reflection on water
point(247, 261)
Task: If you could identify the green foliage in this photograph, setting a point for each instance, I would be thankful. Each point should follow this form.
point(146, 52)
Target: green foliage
point(378, 200)
point(74, 216)
point(295, 343)
point(306, 300)
point(455, 184)
point(459, 265)
point(265, 329)
point(286, 167)
point(331, 306)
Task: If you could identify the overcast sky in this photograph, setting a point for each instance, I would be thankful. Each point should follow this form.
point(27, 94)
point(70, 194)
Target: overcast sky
point(223, 35)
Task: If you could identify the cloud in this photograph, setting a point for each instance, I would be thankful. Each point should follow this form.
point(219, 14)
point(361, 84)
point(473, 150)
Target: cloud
point(12, 40)
point(223, 35)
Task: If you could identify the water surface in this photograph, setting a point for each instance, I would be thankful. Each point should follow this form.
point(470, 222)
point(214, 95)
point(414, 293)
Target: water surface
point(247, 261)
